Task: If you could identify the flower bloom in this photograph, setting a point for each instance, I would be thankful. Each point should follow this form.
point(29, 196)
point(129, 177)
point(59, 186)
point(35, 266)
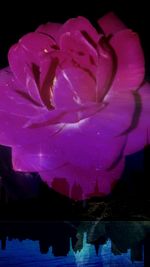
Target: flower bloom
point(74, 103)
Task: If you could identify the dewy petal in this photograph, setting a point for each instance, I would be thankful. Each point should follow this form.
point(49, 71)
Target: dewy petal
point(80, 184)
point(130, 61)
point(139, 135)
point(111, 24)
point(25, 58)
point(50, 28)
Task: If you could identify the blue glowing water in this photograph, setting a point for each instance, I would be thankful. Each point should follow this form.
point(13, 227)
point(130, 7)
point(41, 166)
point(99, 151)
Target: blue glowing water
point(27, 254)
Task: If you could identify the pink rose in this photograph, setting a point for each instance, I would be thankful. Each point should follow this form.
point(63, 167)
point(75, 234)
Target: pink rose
point(73, 104)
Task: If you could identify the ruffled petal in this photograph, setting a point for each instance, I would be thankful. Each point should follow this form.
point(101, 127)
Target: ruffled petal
point(51, 29)
point(16, 110)
point(139, 135)
point(64, 95)
point(84, 143)
point(111, 24)
point(83, 25)
point(119, 111)
point(115, 112)
point(13, 130)
point(106, 68)
point(130, 61)
point(25, 59)
point(77, 70)
point(73, 115)
point(81, 84)
point(90, 149)
point(14, 100)
point(69, 146)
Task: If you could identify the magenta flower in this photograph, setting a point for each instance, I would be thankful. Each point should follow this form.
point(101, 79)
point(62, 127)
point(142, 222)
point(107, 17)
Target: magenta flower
point(73, 104)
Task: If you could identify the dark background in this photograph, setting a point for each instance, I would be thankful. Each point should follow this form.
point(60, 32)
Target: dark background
point(20, 17)
point(132, 193)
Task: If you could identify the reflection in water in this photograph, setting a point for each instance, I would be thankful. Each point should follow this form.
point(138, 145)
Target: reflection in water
point(105, 243)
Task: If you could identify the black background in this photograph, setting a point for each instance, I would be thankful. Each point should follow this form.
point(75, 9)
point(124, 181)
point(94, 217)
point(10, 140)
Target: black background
point(20, 17)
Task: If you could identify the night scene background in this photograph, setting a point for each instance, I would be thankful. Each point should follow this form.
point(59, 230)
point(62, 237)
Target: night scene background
point(100, 231)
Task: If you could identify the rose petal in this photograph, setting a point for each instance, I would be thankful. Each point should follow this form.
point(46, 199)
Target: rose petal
point(94, 137)
point(23, 72)
point(16, 110)
point(87, 149)
point(25, 58)
point(99, 66)
point(35, 158)
point(139, 136)
point(106, 68)
point(13, 131)
point(119, 111)
point(82, 87)
point(76, 43)
point(73, 115)
point(98, 134)
point(88, 155)
point(48, 69)
point(77, 71)
point(96, 142)
point(14, 100)
point(50, 28)
point(111, 24)
point(80, 184)
point(64, 94)
point(83, 25)
point(38, 158)
point(130, 61)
